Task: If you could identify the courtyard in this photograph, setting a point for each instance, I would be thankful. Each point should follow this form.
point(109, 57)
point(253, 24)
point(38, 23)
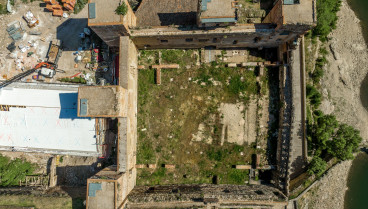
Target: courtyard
point(204, 119)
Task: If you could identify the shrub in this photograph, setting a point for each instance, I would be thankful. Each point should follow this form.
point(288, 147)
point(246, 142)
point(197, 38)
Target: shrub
point(236, 85)
point(317, 75)
point(326, 17)
point(13, 171)
point(79, 5)
point(317, 166)
point(237, 176)
point(122, 9)
point(313, 95)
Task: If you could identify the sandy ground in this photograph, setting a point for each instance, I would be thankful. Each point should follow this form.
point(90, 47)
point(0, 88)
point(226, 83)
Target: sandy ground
point(329, 192)
point(341, 91)
point(239, 123)
point(343, 77)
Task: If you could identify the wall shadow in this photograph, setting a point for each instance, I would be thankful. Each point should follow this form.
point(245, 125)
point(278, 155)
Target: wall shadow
point(69, 105)
point(68, 32)
point(180, 18)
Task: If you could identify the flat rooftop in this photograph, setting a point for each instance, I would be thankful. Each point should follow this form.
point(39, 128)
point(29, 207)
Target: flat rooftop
point(217, 9)
point(300, 13)
point(39, 119)
point(167, 12)
point(101, 194)
point(104, 11)
point(102, 101)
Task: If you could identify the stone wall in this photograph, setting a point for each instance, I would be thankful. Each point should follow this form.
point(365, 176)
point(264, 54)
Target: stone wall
point(171, 196)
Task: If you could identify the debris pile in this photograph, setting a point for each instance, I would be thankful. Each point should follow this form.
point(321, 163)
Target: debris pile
point(31, 20)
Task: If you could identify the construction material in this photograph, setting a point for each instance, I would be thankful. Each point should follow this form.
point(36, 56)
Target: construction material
point(243, 167)
point(15, 30)
point(158, 76)
point(58, 13)
point(54, 52)
point(31, 20)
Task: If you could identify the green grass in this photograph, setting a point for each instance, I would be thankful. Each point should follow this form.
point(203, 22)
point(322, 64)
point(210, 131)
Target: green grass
point(169, 114)
point(40, 202)
point(13, 171)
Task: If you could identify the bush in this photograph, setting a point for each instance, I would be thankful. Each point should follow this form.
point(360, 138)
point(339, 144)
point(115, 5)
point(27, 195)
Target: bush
point(79, 5)
point(122, 9)
point(326, 17)
point(317, 166)
point(317, 75)
point(217, 155)
point(13, 171)
point(3, 9)
point(237, 176)
point(314, 96)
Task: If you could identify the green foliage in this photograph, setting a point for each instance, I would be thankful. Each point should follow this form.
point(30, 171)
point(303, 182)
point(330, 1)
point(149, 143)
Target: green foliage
point(326, 17)
point(318, 71)
point(13, 171)
point(313, 95)
point(345, 142)
point(74, 80)
point(236, 85)
point(181, 57)
point(79, 5)
point(217, 155)
point(323, 130)
point(317, 166)
point(236, 176)
point(122, 9)
point(145, 149)
point(339, 140)
point(3, 9)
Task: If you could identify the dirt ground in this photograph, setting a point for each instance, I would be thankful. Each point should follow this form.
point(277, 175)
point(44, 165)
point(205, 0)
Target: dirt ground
point(204, 120)
point(65, 29)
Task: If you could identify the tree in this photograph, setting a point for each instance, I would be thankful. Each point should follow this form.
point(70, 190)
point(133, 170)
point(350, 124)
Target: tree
point(317, 166)
point(122, 9)
point(323, 130)
point(345, 143)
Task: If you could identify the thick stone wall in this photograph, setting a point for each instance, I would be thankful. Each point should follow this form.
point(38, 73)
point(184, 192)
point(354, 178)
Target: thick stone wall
point(204, 195)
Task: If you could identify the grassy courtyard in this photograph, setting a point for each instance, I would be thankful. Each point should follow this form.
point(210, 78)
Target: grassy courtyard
point(180, 122)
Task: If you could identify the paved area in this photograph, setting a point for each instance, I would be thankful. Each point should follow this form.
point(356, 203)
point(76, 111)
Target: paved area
point(297, 134)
